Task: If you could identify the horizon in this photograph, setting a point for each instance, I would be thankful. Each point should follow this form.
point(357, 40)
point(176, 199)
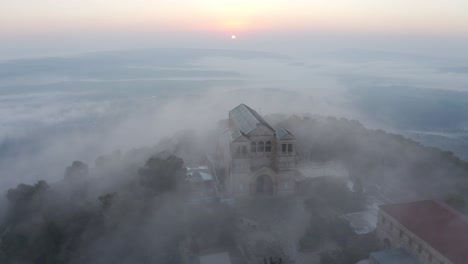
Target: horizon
point(55, 28)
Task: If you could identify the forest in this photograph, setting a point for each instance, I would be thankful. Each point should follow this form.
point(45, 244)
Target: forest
point(132, 207)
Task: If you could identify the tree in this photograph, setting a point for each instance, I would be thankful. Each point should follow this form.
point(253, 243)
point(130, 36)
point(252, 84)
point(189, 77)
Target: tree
point(162, 174)
point(456, 201)
point(20, 199)
point(24, 192)
point(12, 245)
point(45, 247)
point(107, 199)
point(77, 171)
point(272, 260)
point(355, 250)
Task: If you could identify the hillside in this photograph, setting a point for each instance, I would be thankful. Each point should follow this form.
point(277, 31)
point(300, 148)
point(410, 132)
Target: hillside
point(131, 207)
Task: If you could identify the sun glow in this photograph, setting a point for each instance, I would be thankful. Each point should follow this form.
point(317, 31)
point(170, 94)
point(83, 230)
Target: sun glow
point(233, 37)
point(226, 16)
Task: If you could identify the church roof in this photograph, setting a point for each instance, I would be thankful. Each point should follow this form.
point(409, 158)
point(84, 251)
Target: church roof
point(237, 134)
point(280, 134)
point(243, 120)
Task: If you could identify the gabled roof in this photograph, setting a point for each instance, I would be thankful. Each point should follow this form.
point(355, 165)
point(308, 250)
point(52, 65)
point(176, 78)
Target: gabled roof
point(282, 133)
point(235, 134)
point(443, 228)
point(244, 119)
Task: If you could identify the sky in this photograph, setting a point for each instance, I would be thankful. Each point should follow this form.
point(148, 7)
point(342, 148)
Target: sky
point(34, 28)
point(430, 16)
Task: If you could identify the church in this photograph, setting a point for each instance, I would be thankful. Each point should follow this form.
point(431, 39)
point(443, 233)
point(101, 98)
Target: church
point(256, 158)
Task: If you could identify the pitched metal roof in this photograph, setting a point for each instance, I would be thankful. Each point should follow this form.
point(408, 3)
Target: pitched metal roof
point(282, 133)
point(244, 119)
point(440, 226)
point(236, 134)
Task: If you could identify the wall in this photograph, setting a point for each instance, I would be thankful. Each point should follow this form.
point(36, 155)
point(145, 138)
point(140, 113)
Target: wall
point(390, 229)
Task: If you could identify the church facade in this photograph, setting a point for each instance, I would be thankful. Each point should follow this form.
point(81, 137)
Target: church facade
point(258, 159)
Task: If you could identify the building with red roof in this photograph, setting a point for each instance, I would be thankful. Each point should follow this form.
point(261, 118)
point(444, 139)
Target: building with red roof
point(430, 230)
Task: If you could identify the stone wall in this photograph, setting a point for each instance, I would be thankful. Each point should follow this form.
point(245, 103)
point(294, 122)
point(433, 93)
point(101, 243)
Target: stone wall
point(399, 236)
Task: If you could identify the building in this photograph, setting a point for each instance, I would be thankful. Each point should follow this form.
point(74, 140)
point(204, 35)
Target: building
point(258, 160)
point(361, 223)
point(201, 183)
point(391, 256)
point(429, 230)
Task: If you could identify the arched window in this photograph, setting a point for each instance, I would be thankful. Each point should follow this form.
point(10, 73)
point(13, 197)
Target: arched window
point(268, 146)
point(253, 146)
point(261, 146)
point(244, 150)
point(387, 243)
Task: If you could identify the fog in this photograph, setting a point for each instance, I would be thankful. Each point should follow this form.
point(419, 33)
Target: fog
point(55, 110)
point(129, 104)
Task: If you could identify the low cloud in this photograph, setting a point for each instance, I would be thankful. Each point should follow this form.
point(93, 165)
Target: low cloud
point(48, 125)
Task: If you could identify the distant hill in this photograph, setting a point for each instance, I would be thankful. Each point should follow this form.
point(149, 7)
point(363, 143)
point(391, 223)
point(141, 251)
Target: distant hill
point(403, 168)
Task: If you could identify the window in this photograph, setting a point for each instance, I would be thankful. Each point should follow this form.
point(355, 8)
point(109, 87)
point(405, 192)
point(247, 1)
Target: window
point(401, 233)
point(253, 146)
point(387, 243)
point(237, 154)
point(419, 249)
point(261, 146)
point(383, 219)
point(391, 226)
point(290, 149)
point(284, 147)
point(268, 146)
point(410, 241)
point(244, 150)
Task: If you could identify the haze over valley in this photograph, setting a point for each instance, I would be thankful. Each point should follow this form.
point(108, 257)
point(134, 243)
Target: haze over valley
point(233, 132)
point(58, 109)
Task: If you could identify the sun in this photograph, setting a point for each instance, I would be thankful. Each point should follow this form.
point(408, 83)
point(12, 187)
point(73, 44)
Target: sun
point(233, 37)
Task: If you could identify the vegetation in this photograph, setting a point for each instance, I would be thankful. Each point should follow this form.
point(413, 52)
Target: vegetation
point(129, 208)
point(52, 224)
point(354, 251)
point(326, 201)
point(162, 174)
point(456, 201)
point(272, 260)
point(399, 166)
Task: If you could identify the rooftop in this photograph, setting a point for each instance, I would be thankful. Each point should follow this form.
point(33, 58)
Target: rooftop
point(199, 173)
point(362, 222)
point(280, 134)
point(437, 224)
point(393, 256)
point(243, 120)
